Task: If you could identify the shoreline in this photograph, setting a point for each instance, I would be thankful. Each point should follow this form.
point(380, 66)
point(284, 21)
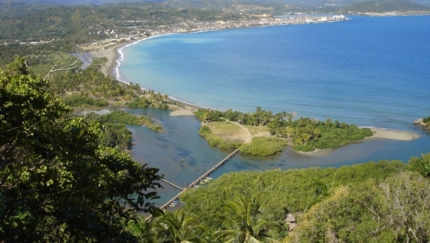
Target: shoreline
point(382, 133)
point(378, 134)
point(115, 56)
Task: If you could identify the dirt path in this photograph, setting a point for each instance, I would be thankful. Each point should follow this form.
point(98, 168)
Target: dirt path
point(247, 137)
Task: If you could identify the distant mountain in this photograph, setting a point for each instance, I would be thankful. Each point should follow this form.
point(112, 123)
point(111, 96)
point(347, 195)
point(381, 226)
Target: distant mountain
point(385, 6)
point(20, 7)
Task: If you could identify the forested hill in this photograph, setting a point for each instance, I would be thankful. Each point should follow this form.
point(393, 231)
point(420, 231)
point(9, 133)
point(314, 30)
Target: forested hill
point(8, 7)
point(62, 28)
point(83, 22)
point(385, 6)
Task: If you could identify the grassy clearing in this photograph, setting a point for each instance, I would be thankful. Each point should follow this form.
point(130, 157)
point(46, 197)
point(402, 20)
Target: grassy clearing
point(257, 129)
point(217, 141)
point(224, 129)
point(42, 64)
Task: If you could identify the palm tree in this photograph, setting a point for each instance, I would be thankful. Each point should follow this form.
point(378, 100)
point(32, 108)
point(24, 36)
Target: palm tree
point(242, 222)
point(178, 227)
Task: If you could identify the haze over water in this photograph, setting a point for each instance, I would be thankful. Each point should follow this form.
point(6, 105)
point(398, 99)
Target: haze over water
point(366, 71)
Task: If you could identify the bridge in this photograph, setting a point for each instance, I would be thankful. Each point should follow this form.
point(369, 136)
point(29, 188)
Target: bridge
point(198, 179)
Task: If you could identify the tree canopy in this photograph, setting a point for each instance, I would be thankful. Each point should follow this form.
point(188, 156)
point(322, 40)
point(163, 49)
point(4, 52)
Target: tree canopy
point(57, 181)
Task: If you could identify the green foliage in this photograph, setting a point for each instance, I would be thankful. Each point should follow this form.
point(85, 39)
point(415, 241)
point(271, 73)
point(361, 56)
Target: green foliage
point(113, 135)
point(303, 147)
point(306, 134)
point(242, 221)
point(384, 6)
point(91, 80)
point(42, 62)
point(263, 146)
point(214, 140)
point(394, 210)
point(426, 120)
point(420, 165)
point(206, 115)
point(151, 99)
point(121, 117)
point(315, 134)
point(56, 180)
point(116, 136)
point(76, 100)
point(178, 226)
point(64, 27)
point(290, 190)
point(126, 118)
point(138, 102)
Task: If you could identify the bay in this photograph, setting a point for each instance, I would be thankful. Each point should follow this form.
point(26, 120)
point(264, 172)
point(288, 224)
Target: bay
point(366, 71)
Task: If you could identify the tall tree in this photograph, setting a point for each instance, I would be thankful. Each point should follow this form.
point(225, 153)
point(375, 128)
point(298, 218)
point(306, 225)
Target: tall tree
point(179, 227)
point(243, 222)
point(57, 183)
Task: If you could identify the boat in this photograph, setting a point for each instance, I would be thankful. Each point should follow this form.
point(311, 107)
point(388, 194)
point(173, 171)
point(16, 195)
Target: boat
point(206, 180)
point(174, 203)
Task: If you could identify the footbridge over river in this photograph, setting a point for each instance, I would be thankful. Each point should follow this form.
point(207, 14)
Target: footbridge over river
point(202, 177)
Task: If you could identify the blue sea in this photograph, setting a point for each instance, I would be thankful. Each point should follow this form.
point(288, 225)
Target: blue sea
point(369, 71)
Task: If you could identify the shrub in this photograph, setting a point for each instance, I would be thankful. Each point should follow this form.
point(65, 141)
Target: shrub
point(76, 100)
point(214, 140)
point(263, 146)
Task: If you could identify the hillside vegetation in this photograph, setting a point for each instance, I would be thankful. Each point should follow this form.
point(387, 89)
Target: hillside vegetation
point(58, 180)
point(387, 198)
point(62, 28)
point(385, 6)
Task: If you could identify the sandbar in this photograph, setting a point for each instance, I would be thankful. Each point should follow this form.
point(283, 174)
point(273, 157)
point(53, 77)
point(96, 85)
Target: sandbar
point(380, 133)
point(316, 152)
point(182, 113)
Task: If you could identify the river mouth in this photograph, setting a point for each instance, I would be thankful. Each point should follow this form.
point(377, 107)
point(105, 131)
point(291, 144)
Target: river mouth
point(182, 155)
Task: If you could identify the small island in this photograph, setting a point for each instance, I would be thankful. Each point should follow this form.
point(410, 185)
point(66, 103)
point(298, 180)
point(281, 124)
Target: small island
point(262, 133)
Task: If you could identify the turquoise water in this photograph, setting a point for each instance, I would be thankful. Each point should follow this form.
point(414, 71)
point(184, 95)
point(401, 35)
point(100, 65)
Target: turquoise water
point(367, 71)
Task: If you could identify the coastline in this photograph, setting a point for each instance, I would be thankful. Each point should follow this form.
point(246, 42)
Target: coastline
point(180, 108)
point(378, 134)
point(381, 133)
point(114, 56)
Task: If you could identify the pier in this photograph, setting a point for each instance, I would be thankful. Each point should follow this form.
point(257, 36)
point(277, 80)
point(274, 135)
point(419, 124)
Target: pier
point(172, 184)
point(198, 180)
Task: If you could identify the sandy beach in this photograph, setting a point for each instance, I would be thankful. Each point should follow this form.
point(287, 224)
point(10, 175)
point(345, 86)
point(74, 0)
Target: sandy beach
point(111, 53)
point(379, 133)
point(182, 113)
